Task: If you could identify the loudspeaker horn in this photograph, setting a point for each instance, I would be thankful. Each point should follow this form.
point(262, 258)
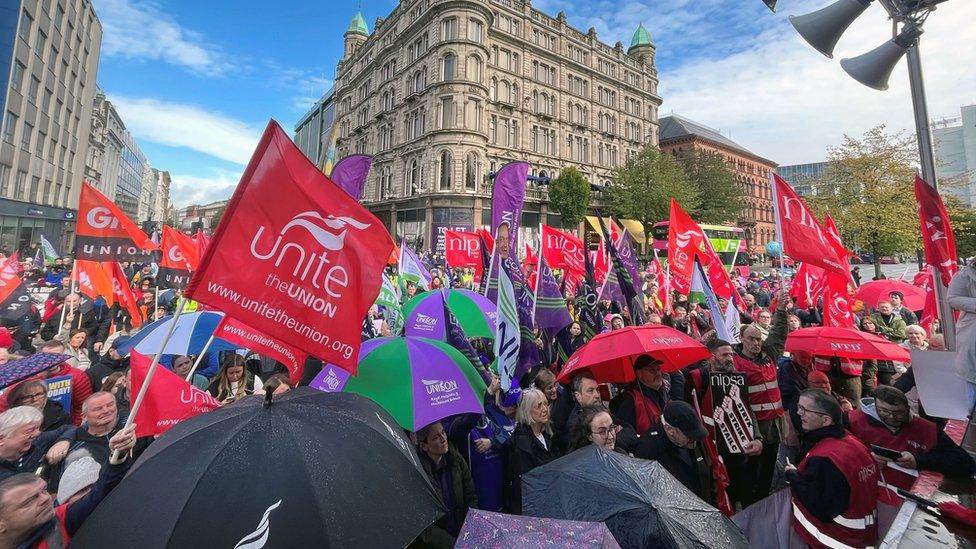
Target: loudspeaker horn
point(771, 4)
point(823, 28)
point(874, 67)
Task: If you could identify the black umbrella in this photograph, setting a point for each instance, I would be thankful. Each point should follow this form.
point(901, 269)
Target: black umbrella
point(312, 469)
point(640, 502)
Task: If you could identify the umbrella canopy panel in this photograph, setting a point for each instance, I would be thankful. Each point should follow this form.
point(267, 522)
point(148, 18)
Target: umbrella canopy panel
point(487, 529)
point(846, 343)
point(313, 469)
point(640, 502)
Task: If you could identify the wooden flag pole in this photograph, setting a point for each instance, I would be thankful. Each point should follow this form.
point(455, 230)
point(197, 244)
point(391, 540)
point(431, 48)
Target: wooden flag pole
point(152, 371)
point(71, 289)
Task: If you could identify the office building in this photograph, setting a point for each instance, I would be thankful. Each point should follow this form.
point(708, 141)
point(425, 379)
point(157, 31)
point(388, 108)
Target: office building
point(803, 177)
point(49, 59)
point(314, 132)
point(955, 155)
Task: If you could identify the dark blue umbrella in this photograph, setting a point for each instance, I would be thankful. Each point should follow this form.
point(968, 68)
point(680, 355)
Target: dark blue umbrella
point(23, 368)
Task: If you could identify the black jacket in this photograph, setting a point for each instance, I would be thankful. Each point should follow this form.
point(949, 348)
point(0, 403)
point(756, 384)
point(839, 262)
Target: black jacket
point(105, 366)
point(688, 466)
point(86, 322)
point(523, 453)
point(822, 488)
point(33, 458)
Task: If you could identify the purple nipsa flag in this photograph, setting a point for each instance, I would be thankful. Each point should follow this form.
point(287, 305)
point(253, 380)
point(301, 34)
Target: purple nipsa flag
point(550, 305)
point(350, 174)
point(628, 258)
point(507, 197)
point(524, 302)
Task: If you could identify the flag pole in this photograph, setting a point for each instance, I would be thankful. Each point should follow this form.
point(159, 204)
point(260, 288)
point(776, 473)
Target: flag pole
point(491, 263)
point(196, 362)
point(152, 371)
point(71, 289)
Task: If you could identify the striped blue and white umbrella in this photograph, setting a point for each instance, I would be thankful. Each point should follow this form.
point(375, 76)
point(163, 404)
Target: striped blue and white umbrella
point(191, 334)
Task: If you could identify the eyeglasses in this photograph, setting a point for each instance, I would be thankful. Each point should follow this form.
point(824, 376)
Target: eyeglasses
point(34, 396)
point(606, 431)
point(801, 409)
point(894, 414)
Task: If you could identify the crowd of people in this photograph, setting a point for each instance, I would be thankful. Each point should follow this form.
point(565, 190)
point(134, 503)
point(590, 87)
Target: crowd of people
point(829, 429)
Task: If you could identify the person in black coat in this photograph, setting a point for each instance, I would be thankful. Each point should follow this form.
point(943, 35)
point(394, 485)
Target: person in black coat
point(531, 445)
point(674, 443)
point(108, 364)
point(73, 319)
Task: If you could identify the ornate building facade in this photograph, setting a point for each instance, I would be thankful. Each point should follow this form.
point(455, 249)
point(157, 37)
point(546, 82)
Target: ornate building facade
point(679, 135)
point(443, 93)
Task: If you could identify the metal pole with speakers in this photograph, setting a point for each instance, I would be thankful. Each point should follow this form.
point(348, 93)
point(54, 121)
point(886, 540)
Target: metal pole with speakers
point(823, 28)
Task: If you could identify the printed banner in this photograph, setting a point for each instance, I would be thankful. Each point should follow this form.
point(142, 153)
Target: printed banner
point(731, 415)
point(59, 390)
point(238, 333)
point(293, 257)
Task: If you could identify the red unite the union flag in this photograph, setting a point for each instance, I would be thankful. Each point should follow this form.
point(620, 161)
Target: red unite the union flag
point(294, 256)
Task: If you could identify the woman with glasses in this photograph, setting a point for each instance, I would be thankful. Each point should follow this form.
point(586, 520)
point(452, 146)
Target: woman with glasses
point(596, 427)
point(33, 393)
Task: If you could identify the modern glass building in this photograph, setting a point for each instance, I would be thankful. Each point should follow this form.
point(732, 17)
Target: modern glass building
point(801, 176)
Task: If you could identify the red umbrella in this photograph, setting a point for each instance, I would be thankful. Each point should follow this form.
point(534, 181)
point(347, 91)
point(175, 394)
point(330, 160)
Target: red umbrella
point(610, 356)
point(878, 290)
point(845, 342)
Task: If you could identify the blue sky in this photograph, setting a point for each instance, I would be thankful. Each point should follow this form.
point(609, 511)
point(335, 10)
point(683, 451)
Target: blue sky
point(197, 81)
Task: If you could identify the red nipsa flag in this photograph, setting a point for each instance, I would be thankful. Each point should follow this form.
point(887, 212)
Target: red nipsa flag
point(837, 305)
point(937, 237)
point(563, 250)
point(802, 236)
point(237, 332)
point(104, 233)
point(463, 249)
point(294, 256)
point(169, 400)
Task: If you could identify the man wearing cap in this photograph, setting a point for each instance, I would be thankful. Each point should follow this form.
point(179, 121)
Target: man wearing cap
point(835, 487)
point(108, 364)
point(641, 403)
point(673, 442)
point(897, 305)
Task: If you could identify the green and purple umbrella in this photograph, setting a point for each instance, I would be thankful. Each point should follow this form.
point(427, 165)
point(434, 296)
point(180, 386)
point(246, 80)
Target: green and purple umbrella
point(425, 315)
point(417, 380)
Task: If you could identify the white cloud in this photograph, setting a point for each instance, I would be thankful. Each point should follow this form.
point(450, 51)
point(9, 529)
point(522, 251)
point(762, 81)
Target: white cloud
point(732, 65)
point(788, 103)
point(191, 189)
point(190, 126)
point(137, 29)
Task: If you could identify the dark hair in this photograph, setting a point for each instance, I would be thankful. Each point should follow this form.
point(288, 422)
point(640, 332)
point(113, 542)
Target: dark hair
point(112, 380)
point(827, 404)
point(544, 378)
point(900, 295)
point(581, 431)
point(276, 381)
point(19, 390)
point(714, 344)
point(424, 431)
point(578, 380)
point(890, 395)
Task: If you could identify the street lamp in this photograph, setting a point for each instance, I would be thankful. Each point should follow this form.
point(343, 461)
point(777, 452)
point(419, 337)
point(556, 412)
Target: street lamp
point(822, 29)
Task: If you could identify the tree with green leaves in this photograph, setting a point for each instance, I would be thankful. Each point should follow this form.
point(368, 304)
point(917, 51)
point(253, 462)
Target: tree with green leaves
point(721, 200)
point(643, 188)
point(868, 189)
point(569, 195)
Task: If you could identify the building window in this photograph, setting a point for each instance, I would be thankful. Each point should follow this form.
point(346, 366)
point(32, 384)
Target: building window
point(450, 66)
point(21, 185)
point(413, 178)
point(448, 115)
point(449, 29)
point(39, 43)
point(34, 187)
point(473, 69)
point(25, 136)
point(17, 77)
point(447, 170)
point(471, 172)
point(4, 179)
point(475, 30)
point(25, 25)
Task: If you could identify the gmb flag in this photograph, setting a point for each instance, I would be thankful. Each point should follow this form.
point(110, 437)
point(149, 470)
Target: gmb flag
point(294, 256)
point(104, 233)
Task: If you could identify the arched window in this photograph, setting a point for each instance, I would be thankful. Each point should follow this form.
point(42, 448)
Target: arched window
point(450, 66)
point(493, 89)
point(504, 92)
point(471, 171)
point(542, 173)
point(447, 170)
point(413, 178)
point(473, 69)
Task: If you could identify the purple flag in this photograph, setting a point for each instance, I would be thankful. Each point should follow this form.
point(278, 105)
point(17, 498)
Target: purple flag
point(507, 197)
point(611, 289)
point(350, 174)
point(628, 258)
point(550, 305)
point(331, 379)
point(524, 303)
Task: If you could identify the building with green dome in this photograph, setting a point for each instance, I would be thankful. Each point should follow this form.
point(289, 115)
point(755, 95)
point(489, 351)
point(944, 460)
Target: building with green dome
point(443, 94)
